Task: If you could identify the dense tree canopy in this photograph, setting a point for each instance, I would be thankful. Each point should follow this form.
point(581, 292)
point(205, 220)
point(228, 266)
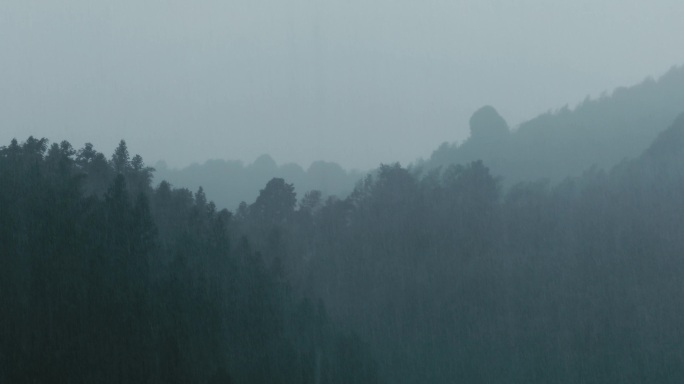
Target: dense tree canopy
point(105, 279)
point(418, 276)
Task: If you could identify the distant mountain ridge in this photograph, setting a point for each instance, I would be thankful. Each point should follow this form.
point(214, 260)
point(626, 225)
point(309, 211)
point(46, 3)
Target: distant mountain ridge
point(598, 132)
point(555, 145)
point(230, 182)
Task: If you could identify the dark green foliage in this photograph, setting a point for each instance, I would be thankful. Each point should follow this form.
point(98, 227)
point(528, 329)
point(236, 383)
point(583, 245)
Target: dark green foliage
point(121, 160)
point(103, 279)
point(449, 279)
point(435, 277)
point(275, 203)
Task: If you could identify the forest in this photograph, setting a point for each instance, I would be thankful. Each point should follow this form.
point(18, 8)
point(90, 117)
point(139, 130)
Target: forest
point(561, 143)
point(430, 273)
point(108, 280)
point(567, 141)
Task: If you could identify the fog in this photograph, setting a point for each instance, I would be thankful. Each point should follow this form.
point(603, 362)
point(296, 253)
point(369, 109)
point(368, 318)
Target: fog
point(337, 192)
point(353, 82)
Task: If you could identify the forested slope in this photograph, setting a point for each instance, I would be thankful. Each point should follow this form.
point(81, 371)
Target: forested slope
point(452, 279)
point(440, 276)
point(104, 279)
point(555, 145)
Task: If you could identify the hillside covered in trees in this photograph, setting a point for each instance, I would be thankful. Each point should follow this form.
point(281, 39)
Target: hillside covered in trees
point(598, 132)
point(517, 248)
point(104, 279)
point(548, 253)
point(462, 282)
point(555, 145)
point(437, 277)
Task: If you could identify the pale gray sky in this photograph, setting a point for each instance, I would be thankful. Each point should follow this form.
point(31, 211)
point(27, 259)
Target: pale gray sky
point(356, 82)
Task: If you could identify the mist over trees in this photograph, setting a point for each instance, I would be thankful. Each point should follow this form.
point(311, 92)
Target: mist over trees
point(558, 144)
point(510, 258)
point(229, 183)
point(106, 279)
point(451, 278)
point(598, 132)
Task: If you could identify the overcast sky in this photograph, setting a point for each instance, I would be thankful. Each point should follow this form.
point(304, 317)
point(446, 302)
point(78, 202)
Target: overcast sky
point(358, 82)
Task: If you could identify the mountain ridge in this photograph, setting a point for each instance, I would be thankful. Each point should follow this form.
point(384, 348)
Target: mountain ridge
point(598, 132)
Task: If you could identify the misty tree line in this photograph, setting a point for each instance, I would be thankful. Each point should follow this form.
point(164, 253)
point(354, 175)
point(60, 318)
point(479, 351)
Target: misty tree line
point(105, 279)
point(230, 182)
point(451, 278)
point(420, 275)
point(567, 141)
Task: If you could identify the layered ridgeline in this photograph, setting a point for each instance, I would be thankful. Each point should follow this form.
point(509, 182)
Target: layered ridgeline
point(229, 183)
point(566, 142)
point(600, 132)
point(439, 277)
point(105, 279)
point(451, 280)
